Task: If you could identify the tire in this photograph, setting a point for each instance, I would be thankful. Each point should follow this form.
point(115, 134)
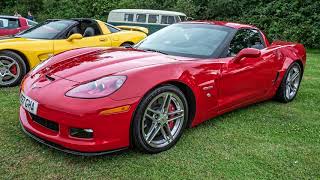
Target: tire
point(288, 89)
point(154, 137)
point(12, 69)
point(126, 45)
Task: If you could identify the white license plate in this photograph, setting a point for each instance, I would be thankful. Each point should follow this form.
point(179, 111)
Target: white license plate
point(28, 104)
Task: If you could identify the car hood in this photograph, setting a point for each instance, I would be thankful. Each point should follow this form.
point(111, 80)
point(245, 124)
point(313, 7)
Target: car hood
point(10, 39)
point(98, 63)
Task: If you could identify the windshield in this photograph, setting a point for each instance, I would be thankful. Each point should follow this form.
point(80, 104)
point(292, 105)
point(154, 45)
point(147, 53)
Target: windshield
point(188, 40)
point(46, 30)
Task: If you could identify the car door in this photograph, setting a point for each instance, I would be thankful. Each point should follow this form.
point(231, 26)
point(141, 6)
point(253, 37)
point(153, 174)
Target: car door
point(91, 37)
point(250, 78)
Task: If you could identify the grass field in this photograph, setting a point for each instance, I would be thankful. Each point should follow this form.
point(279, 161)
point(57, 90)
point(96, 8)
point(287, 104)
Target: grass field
point(267, 140)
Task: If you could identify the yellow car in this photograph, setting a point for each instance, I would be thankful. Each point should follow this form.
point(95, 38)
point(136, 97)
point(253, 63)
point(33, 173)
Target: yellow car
point(24, 51)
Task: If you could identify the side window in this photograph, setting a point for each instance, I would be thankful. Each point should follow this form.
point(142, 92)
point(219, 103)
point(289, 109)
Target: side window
point(167, 20)
point(245, 38)
point(89, 29)
point(255, 40)
point(153, 18)
point(9, 23)
point(183, 18)
point(177, 19)
point(74, 30)
point(141, 18)
point(1, 23)
point(170, 20)
point(128, 17)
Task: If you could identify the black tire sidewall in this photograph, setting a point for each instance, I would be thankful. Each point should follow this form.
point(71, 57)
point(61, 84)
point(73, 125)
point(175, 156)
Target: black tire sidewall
point(21, 63)
point(138, 140)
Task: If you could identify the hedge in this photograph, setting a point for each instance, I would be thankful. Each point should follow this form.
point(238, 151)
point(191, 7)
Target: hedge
point(290, 20)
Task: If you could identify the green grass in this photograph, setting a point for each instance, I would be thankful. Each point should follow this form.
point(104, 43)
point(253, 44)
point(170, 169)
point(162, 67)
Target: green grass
point(267, 140)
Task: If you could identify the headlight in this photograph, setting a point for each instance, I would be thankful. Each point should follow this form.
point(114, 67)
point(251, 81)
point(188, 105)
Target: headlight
point(99, 88)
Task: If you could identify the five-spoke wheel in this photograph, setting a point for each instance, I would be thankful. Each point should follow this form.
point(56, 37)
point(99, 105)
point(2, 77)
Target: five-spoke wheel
point(160, 119)
point(290, 84)
point(12, 69)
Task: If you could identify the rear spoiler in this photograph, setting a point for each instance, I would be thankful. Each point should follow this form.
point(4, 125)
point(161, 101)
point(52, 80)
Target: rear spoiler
point(134, 28)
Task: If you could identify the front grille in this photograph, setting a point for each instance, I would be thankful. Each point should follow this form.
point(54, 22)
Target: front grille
point(45, 123)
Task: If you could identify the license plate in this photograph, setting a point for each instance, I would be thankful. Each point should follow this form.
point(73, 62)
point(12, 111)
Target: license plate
point(28, 104)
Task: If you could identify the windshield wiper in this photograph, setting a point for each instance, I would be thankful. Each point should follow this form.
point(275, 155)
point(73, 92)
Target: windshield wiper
point(153, 50)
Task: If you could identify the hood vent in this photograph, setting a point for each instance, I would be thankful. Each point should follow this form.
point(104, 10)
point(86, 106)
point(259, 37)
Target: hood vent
point(50, 78)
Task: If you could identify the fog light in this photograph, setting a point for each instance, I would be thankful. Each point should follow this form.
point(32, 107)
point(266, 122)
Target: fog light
point(81, 133)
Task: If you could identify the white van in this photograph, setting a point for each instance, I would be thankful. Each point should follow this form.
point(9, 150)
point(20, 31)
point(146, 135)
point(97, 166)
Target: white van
point(151, 19)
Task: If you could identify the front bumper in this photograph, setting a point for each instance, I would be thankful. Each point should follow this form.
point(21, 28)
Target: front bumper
point(111, 132)
point(63, 149)
point(58, 114)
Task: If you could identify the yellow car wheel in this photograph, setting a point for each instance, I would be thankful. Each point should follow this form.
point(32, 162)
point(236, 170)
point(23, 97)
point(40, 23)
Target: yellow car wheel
point(12, 69)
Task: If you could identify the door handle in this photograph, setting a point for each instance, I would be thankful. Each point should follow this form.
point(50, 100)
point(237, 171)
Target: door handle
point(103, 39)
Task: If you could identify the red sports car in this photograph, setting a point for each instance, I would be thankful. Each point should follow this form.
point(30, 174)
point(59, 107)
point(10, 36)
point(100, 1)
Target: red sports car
point(95, 100)
point(11, 25)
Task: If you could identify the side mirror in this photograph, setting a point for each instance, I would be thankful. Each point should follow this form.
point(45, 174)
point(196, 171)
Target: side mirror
point(247, 53)
point(74, 36)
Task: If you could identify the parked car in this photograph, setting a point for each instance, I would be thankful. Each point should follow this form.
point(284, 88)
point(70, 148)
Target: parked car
point(151, 19)
point(11, 25)
point(21, 53)
point(89, 101)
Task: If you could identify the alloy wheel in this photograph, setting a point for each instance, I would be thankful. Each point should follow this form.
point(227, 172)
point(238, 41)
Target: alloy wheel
point(292, 82)
point(9, 70)
point(163, 120)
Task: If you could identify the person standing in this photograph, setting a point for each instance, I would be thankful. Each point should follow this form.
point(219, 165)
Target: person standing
point(30, 17)
point(17, 14)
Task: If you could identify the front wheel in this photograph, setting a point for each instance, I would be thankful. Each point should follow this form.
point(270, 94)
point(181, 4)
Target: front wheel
point(12, 69)
point(160, 119)
point(290, 84)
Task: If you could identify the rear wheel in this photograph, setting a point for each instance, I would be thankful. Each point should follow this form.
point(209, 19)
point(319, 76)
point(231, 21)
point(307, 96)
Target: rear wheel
point(290, 84)
point(12, 69)
point(160, 119)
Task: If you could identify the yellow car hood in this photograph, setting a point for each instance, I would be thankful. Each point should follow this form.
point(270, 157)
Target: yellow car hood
point(12, 39)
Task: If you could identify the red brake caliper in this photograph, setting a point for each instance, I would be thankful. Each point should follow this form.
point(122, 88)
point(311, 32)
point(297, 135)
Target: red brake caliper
point(13, 69)
point(171, 109)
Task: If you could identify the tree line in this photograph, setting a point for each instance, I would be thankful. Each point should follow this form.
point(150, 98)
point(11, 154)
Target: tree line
point(290, 20)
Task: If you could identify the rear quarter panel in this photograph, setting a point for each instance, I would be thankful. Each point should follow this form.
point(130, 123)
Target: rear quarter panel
point(127, 36)
point(287, 53)
point(123, 36)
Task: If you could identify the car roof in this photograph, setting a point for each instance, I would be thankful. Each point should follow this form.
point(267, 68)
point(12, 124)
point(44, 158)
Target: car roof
point(148, 11)
point(11, 17)
point(224, 23)
point(72, 19)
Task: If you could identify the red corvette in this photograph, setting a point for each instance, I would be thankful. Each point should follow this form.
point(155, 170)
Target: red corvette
point(96, 100)
point(11, 25)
